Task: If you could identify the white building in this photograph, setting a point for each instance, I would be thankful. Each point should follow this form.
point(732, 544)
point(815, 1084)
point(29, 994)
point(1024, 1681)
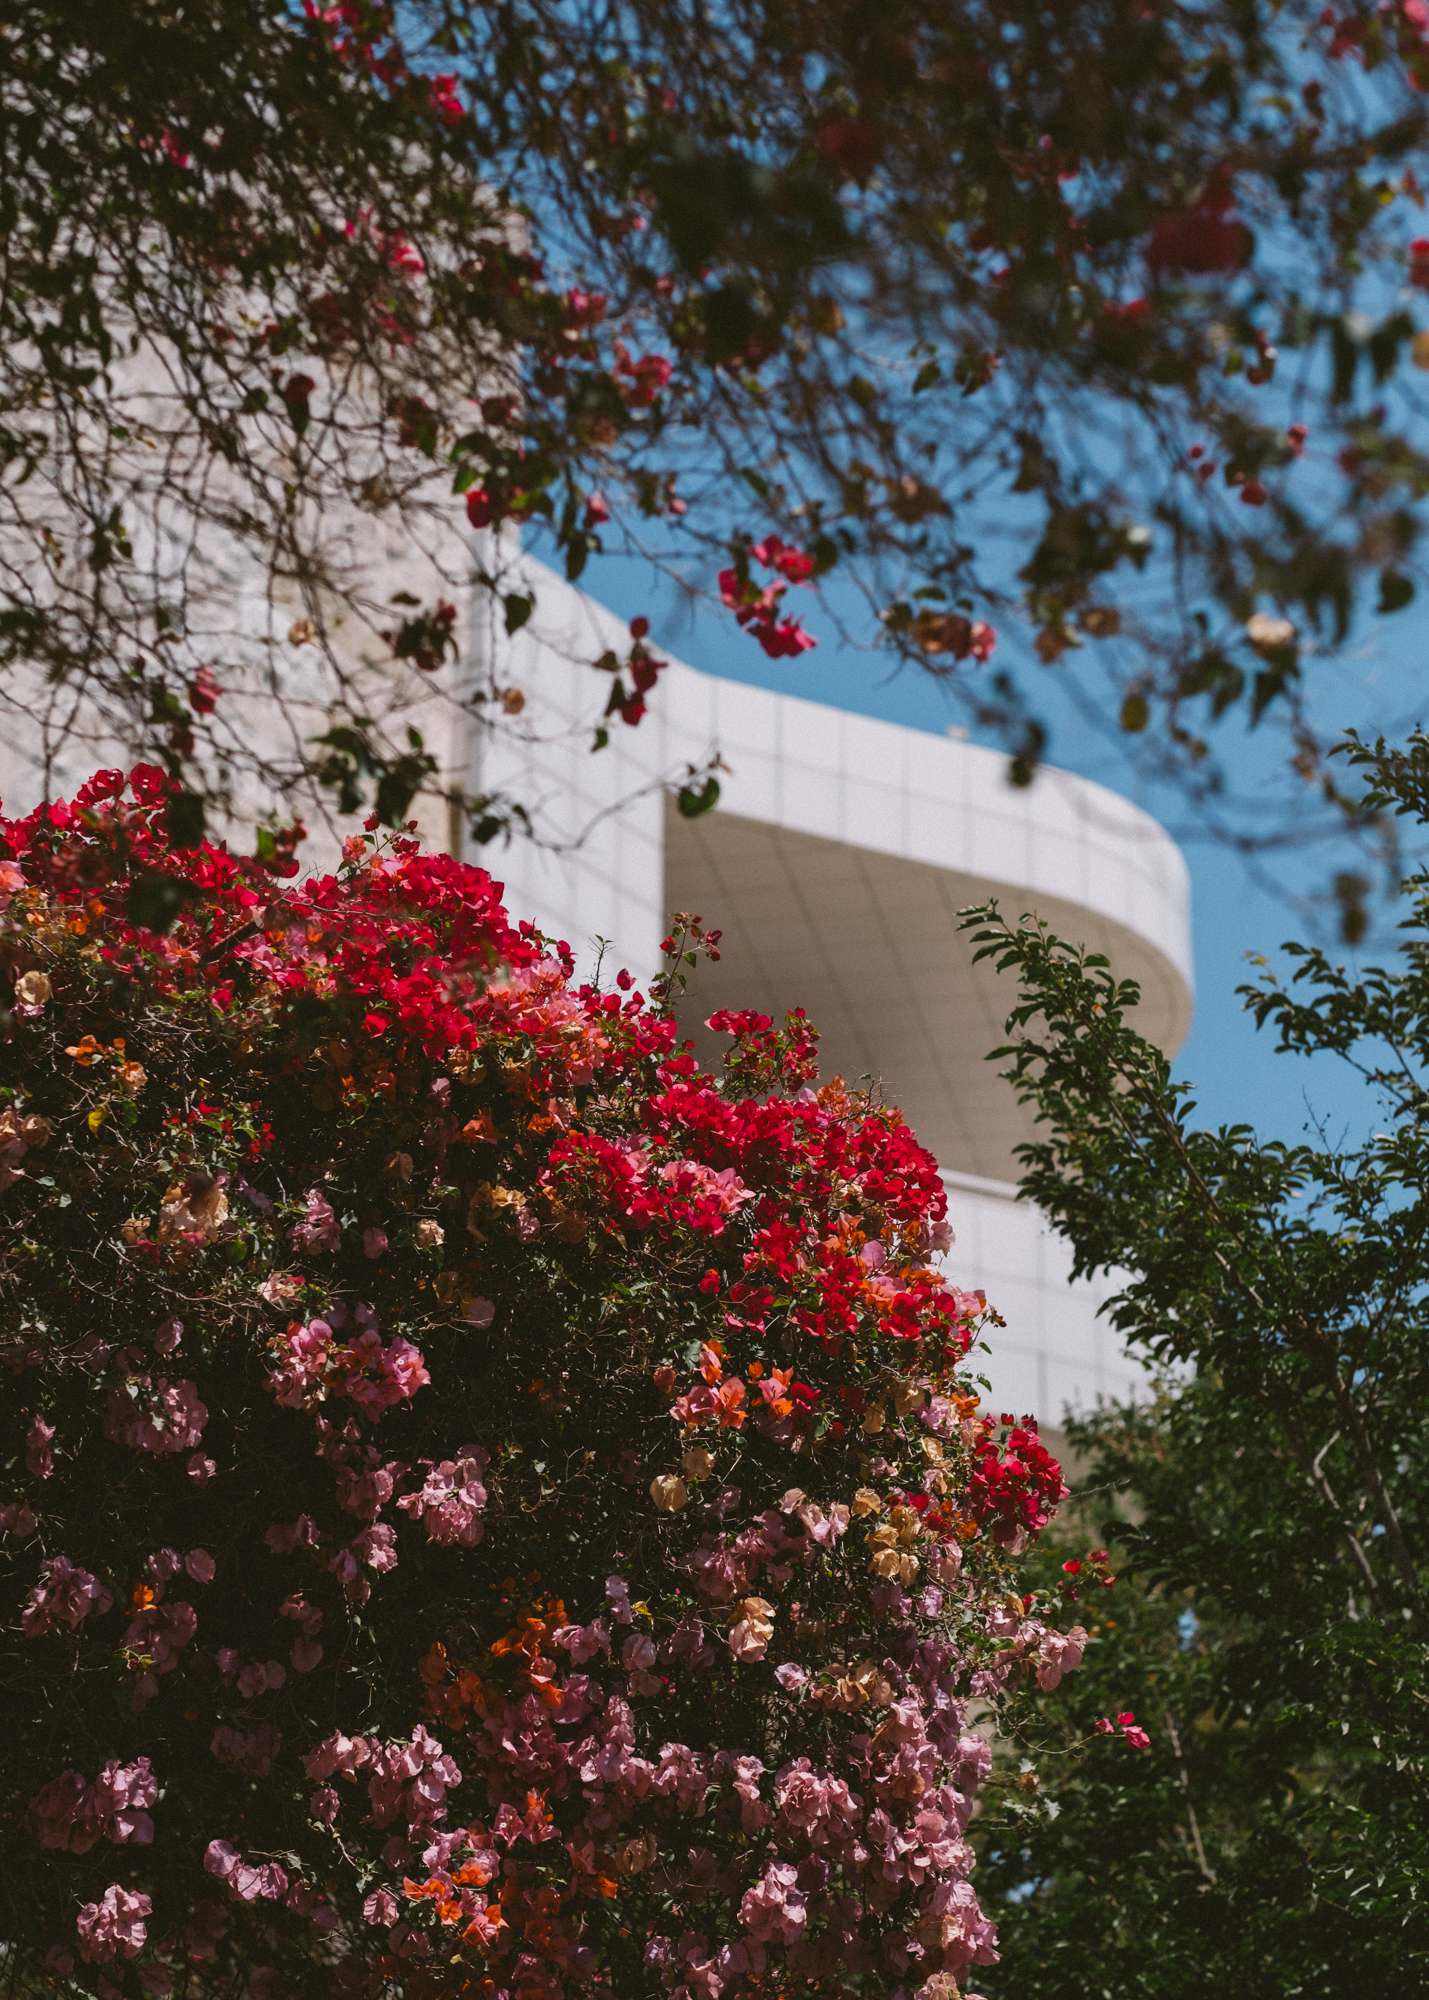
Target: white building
point(836, 862)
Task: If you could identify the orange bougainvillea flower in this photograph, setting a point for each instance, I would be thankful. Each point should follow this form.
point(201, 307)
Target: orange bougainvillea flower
point(484, 1927)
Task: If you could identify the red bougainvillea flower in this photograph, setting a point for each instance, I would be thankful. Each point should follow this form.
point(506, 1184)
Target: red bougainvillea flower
point(1204, 238)
point(757, 607)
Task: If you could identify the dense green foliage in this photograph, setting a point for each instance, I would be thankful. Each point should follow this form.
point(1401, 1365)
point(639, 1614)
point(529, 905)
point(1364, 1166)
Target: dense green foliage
point(1268, 1510)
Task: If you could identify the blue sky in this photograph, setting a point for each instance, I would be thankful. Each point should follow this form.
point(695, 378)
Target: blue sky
point(1238, 909)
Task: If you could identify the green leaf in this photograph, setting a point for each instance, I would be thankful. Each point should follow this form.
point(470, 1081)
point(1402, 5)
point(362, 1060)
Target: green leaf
point(1385, 342)
point(1395, 590)
point(154, 901)
point(184, 819)
point(694, 800)
point(1344, 356)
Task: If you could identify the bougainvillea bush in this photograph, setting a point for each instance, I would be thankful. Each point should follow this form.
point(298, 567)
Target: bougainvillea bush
point(489, 1507)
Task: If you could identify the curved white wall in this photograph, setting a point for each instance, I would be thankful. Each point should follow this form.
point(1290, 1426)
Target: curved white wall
point(836, 863)
point(1054, 1354)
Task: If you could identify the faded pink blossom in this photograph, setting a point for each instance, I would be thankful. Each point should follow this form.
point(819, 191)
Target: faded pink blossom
point(159, 1632)
point(451, 1499)
point(119, 1798)
point(409, 1781)
point(313, 1364)
point(39, 1448)
point(377, 1548)
point(1059, 1653)
point(285, 1536)
point(338, 1756)
point(155, 1415)
point(114, 1927)
point(775, 1911)
point(64, 1595)
point(319, 1232)
point(250, 1752)
point(246, 1882)
point(258, 1676)
point(751, 1633)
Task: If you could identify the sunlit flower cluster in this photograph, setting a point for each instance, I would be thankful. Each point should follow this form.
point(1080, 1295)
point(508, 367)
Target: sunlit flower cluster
point(495, 1508)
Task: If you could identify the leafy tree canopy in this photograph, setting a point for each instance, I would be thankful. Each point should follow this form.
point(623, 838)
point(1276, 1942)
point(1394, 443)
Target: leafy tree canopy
point(1001, 336)
point(1268, 1512)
